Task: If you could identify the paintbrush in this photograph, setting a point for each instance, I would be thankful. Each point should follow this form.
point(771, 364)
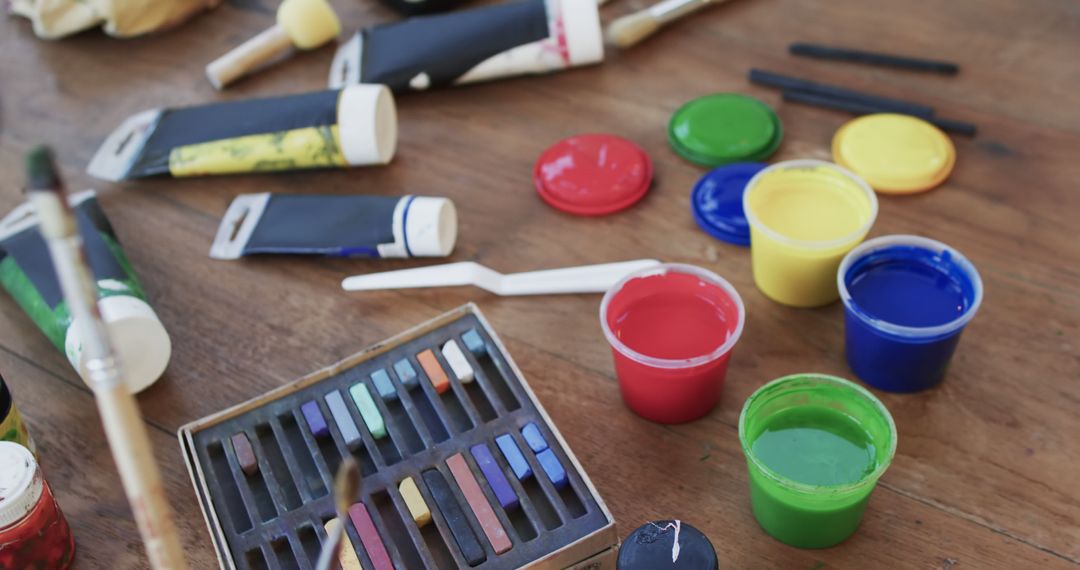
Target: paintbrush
point(629, 30)
point(124, 427)
point(346, 489)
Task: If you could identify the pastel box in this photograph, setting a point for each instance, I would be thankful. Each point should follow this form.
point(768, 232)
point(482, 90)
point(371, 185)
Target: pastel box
point(438, 490)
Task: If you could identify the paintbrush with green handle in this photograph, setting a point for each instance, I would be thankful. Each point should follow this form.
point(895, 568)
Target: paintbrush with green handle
point(346, 490)
point(124, 427)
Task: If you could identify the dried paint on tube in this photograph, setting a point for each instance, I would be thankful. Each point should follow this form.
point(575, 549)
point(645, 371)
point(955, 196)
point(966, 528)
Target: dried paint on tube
point(27, 273)
point(355, 126)
point(339, 226)
point(513, 38)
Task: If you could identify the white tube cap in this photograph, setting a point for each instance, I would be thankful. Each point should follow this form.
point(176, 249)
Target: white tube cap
point(367, 124)
point(20, 487)
point(141, 343)
point(431, 227)
point(584, 35)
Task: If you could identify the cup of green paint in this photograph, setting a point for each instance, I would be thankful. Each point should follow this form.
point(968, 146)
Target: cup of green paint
point(815, 448)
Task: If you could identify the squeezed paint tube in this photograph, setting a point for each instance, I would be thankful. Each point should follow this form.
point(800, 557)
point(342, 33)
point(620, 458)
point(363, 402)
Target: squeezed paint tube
point(514, 38)
point(353, 126)
point(27, 273)
point(341, 226)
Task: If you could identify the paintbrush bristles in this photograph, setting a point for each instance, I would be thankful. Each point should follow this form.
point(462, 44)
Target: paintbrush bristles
point(631, 29)
point(346, 485)
point(46, 192)
point(346, 490)
point(41, 170)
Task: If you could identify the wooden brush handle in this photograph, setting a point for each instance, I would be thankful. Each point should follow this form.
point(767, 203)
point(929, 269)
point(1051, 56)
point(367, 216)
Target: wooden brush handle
point(140, 476)
point(247, 56)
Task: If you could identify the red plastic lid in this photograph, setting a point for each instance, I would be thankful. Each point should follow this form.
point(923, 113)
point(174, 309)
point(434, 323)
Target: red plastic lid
point(593, 174)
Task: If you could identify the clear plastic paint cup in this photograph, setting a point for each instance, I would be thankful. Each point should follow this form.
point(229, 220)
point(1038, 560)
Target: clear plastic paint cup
point(672, 328)
point(907, 299)
point(804, 216)
point(815, 448)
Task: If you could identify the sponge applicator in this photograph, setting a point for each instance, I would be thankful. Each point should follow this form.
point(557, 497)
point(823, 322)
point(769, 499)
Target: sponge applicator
point(303, 24)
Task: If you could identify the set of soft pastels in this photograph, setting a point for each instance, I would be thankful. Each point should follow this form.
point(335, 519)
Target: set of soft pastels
point(460, 466)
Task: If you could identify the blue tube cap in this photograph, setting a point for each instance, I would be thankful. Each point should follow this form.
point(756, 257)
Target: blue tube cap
point(717, 202)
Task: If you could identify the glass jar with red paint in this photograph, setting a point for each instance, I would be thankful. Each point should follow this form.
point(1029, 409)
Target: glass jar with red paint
point(33, 531)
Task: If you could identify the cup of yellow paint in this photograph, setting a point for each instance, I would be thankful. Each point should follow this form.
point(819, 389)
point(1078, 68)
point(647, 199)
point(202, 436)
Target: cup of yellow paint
point(804, 216)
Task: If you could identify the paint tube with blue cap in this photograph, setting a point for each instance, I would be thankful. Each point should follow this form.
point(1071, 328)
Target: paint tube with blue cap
point(518, 37)
point(337, 226)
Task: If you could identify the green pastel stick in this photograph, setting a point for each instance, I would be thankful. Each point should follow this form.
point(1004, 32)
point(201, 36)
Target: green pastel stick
point(366, 405)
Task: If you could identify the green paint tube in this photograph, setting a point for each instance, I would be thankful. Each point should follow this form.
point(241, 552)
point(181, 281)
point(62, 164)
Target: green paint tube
point(27, 273)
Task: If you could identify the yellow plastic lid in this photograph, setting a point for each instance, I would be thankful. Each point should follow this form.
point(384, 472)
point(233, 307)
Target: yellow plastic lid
point(895, 154)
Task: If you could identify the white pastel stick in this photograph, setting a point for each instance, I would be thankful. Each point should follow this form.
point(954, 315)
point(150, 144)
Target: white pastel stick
point(458, 363)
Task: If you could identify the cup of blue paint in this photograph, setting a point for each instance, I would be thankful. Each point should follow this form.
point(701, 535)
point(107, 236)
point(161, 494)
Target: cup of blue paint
point(906, 301)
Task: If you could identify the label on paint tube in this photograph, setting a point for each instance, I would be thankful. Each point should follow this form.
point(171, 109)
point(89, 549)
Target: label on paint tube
point(12, 427)
point(354, 126)
point(342, 226)
point(28, 275)
point(514, 38)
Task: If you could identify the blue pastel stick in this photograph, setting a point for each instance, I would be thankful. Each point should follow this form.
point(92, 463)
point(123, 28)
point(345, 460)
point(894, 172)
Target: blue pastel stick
point(474, 343)
point(534, 438)
point(384, 386)
point(495, 477)
point(513, 456)
point(407, 374)
point(553, 468)
point(315, 420)
point(343, 418)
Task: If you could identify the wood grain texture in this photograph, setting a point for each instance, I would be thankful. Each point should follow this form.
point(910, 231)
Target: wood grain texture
point(986, 469)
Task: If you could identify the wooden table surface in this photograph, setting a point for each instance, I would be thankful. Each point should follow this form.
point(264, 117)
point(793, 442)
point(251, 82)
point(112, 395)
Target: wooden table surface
point(987, 467)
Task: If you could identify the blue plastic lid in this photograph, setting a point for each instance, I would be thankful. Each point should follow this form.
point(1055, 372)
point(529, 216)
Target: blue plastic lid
point(718, 205)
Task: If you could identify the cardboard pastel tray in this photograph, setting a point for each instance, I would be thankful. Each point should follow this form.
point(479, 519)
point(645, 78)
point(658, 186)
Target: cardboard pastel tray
point(266, 506)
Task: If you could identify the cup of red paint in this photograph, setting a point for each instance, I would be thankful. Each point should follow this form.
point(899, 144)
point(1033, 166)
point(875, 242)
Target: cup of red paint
point(672, 329)
point(906, 301)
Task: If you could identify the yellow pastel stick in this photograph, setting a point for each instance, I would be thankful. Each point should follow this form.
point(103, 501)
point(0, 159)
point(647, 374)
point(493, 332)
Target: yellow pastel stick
point(415, 501)
point(347, 555)
point(309, 147)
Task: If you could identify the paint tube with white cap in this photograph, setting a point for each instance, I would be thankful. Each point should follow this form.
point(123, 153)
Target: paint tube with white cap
point(339, 226)
point(27, 273)
point(354, 126)
point(514, 38)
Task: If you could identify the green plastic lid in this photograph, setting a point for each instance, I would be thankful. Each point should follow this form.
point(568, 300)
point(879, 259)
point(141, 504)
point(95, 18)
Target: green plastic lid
point(725, 127)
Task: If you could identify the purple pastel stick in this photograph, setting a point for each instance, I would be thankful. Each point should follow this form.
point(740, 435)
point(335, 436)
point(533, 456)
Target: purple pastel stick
point(315, 419)
point(495, 477)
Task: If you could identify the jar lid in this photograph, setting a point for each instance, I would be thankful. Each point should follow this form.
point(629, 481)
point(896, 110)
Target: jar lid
point(717, 202)
point(593, 174)
point(895, 154)
point(723, 128)
point(667, 544)
point(19, 488)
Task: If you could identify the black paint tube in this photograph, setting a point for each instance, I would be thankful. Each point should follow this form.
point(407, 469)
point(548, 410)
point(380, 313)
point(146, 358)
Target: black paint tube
point(414, 7)
point(514, 38)
point(337, 128)
point(339, 226)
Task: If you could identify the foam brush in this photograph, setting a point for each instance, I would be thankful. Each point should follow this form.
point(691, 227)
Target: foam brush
point(631, 29)
point(120, 416)
point(346, 489)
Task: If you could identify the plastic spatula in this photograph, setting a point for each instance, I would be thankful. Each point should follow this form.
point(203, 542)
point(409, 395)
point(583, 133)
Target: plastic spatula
point(582, 279)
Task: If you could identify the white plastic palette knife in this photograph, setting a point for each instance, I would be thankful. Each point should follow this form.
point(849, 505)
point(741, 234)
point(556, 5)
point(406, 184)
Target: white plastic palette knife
point(582, 279)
